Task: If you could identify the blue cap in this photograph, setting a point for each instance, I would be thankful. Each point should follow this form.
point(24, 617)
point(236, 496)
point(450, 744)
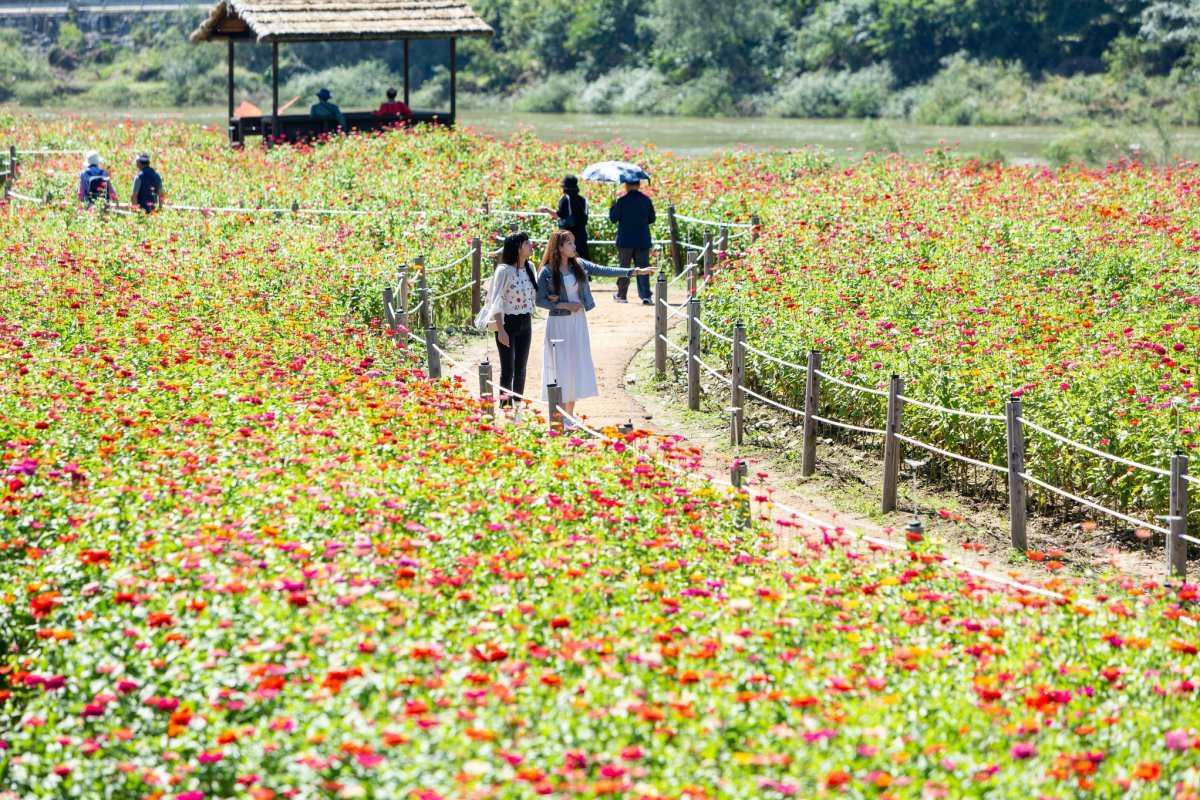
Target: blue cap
point(323, 94)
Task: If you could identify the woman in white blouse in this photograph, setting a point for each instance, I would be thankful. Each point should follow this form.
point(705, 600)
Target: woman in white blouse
point(510, 306)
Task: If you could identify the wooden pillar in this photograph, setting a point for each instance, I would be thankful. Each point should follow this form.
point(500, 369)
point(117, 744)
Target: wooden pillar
point(660, 325)
point(812, 395)
point(275, 87)
point(406, 71)
point(673, 229)
point(476, 276)
point(453, 78)
point(737, 378)
point(1177, 521)
point(1016, 483)
point(693, 354)
point(229, 63)
point(891, 445)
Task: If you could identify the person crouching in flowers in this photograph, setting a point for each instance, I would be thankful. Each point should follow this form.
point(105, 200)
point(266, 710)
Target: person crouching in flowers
point(563, 288)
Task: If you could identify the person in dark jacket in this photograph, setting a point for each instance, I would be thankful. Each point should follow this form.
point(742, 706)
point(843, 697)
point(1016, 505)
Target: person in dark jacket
point(147, 187)
point(633, 214)
point(572, 215)
point(94, 182)
point(327, 109)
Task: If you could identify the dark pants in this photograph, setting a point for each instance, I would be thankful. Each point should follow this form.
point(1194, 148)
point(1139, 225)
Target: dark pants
point(639, 259)
point(515, 355)
point(581, 243)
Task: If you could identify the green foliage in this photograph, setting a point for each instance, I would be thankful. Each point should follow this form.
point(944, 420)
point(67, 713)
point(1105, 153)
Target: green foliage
point(967, 92)
point(70, 38)
point(18, 66)
point(845, 93)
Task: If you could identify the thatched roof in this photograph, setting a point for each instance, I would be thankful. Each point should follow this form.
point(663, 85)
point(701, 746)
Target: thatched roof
point(324, 20)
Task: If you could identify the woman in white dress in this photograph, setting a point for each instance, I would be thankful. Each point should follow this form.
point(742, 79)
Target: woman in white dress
point(563, 288)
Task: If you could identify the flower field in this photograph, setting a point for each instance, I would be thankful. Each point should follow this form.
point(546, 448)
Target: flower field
point(248, 551)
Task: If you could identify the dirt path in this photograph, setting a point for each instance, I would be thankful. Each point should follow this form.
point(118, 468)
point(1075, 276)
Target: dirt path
point(840, 494)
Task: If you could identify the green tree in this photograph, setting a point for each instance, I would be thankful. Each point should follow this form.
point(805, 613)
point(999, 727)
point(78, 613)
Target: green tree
point(745, 41)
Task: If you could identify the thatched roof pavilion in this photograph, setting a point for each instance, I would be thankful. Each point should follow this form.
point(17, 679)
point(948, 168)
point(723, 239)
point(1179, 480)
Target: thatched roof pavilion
point(275, 21)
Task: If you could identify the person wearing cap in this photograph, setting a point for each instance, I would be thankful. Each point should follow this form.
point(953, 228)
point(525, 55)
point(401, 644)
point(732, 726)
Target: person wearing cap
point(633, 213)
point(572, 214)
point(327, 110)
point(147, 187)
point(94, 182)
point(393, 107)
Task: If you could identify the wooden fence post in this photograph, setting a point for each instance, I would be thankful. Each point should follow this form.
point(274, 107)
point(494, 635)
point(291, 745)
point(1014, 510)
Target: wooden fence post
point(514, 226)
point(1176, 545)
point(1016, 466)
point(754, 230)
point(723, 241)
point(693, 354)
point(426, 311)
point(486, 392)
point(389, 314)
point(710, 257)
point(405, 290)
point(554, 397)
point(691, 278)
point(660, 326)
point(432, 356)
point(891, 445)
point(476, 276)
point(676, 250)
point(737, 397)
point(812, 392)
point(12, 161)
point(486, 208)
point(737, 476)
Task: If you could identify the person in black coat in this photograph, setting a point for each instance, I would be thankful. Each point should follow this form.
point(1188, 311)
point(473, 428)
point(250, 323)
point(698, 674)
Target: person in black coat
point(572, 214)
point(633, 213)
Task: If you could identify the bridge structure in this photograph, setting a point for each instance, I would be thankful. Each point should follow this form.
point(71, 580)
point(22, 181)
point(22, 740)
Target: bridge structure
point(101, 18)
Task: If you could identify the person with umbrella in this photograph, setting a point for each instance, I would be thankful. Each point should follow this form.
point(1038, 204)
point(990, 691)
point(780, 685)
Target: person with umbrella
point(563, 288)
point(633, 213)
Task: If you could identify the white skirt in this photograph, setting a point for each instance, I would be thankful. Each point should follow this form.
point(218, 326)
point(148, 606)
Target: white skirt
point(570, 364)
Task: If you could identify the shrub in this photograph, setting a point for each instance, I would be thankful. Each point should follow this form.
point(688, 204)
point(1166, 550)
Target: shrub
point(845, 93)
point(624, 90)
point(550, 95)
point(1092, 145)
point(18, 66)
point(966, 92)
point(709, 95)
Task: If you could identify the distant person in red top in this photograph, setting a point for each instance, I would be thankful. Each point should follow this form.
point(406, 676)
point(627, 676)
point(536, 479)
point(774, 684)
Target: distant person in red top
point(392, 108)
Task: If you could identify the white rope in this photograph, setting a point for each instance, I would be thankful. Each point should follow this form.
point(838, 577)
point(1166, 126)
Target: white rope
point(452, 292)
point(683, 274)
point(848, 426)
point(578, 423)
point(226, 209)
point(713, 372)
point(769, 401)
point(509, 212)
point(853, 386)
point(749, 231)
point(496, 386)
point(453, 263)
point(25, 198)
point(958, 411)
point(1093, 450)
point(1187, 538)
point(948, 454)
point(1090, 504)
point(722, 337)
point(673, 346)
point(338, 212)
point(51, 152)
point(1191, 479)
point(770, 357)
point(714, 223)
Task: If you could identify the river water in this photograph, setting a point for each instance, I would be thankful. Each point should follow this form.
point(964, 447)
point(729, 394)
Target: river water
point(850, 138)
point(702, 136)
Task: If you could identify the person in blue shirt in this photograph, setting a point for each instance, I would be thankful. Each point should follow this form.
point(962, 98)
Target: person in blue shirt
point(327, 110)
point(94, 182)
point(633, 213)
point(147, 187)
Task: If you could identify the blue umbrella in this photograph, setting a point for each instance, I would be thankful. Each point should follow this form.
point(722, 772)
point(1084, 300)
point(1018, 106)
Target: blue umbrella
point(614, 172)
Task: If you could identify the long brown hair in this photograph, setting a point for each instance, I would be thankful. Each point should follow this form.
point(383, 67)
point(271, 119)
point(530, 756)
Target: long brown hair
point(554, 258)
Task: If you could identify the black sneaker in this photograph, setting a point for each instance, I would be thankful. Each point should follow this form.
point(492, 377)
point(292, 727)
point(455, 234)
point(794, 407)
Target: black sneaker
point(646, 301)
point(619, 299)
